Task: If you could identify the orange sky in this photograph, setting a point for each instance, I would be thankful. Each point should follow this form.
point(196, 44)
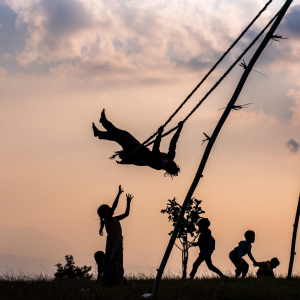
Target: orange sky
point(139, 61)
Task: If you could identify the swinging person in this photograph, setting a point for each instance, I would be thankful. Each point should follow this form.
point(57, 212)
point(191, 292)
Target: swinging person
point(143, 156)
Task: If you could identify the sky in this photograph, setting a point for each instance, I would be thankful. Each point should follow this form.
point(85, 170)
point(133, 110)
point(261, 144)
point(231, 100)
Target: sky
point(63, 61)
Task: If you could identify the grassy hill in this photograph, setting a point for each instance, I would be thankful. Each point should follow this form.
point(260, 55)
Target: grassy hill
point(41, 287)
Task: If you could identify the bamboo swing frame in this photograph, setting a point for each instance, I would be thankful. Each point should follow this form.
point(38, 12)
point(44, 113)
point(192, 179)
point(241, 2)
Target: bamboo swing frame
point(213, 138)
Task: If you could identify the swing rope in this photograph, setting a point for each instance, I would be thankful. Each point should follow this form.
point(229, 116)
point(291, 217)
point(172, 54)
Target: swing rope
point(220, 80)
point(204, 78)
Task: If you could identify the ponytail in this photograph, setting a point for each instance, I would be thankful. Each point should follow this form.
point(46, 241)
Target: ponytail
point(102, 213)
point(101, 226)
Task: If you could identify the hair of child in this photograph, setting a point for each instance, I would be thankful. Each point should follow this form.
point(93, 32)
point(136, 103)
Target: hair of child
point(99, 255)
point(102, 213)
point(172, 169)
point(275, 262)
point(204, 222)
point(249, 233)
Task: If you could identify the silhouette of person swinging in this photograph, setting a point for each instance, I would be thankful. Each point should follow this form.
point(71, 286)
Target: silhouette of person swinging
point(143, 156)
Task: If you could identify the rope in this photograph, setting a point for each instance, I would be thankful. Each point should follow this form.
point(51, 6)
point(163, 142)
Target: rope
point(205, 77)
point(243, 64)
point(220, 80)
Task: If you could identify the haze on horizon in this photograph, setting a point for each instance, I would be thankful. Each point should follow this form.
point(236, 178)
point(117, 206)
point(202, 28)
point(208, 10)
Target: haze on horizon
point(63, 61)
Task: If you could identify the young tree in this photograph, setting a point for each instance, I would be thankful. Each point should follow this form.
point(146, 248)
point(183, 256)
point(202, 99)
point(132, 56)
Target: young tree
point(188, 225)
point(69, 270)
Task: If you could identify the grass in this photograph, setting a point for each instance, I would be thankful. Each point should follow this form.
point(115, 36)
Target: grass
point(36, 287)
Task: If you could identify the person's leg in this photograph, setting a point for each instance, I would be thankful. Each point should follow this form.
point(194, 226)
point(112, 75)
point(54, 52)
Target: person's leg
point(212, 267)
point(105, 123)
point(196, 264)
point(116, 135)
point(245, 268)
point(235, 260)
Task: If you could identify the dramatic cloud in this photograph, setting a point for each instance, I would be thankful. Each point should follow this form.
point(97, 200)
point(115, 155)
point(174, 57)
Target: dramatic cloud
point(293, 146)
point(129, 36)
point(295, 119)
point(291, 22)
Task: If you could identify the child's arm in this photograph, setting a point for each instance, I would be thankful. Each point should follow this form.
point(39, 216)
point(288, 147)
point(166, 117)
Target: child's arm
point(262, 264)
point(115, 204)
point(126, 214)
point(252, 258)
point(174, 140)
point(155, 149)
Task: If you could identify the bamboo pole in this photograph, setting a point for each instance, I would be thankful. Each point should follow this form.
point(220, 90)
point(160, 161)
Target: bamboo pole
point(294, 241)
point(212, 140)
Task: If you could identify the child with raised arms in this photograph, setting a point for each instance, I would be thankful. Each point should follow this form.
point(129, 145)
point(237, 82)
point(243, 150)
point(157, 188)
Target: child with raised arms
point(113, 268)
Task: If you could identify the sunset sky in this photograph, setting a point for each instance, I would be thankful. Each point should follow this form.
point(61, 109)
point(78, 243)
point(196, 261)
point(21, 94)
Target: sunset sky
point(63, 61)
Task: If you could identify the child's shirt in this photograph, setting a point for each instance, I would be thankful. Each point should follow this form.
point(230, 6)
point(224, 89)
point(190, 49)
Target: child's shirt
point(242, 249)
point(206, 242)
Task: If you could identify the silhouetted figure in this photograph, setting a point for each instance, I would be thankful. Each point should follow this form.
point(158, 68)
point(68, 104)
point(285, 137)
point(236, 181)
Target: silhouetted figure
point(100, 261)
point(207, 245)
point(236, 255)
point(266, 267)
point(143, 156)
point(113, 269)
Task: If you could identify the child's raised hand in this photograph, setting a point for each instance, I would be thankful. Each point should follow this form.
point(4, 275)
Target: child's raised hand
point(160, 129)
point(120, 190)
point(180, 124)
point(129, 197)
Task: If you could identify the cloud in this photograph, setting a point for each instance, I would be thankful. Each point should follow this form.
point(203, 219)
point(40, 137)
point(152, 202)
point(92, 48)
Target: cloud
point(295, 119)
point(139, 35)
point(293, 146)
point(25, 59)
point(291, 22)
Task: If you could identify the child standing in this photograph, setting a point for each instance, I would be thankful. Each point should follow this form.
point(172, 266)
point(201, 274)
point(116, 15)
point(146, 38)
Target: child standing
point(113, 267)
point(236, 255)
point(207, 245)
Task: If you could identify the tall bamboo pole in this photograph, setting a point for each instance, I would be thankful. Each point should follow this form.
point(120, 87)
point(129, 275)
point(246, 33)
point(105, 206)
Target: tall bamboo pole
point(212, 140)
point(294, 241)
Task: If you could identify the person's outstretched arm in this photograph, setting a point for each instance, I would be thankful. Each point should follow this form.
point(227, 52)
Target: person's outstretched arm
point(252, 258)
point(262, 264)
point(115, 204)
point(126, 214)
point(155, 149)
point(173, 142)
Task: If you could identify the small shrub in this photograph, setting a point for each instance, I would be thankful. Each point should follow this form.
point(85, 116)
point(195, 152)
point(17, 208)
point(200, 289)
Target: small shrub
point(70, 271)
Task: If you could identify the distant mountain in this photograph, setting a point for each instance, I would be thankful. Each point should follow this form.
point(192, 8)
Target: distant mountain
point(30, 250)
point(31, 242)
point(12, 264)
point(27, 265)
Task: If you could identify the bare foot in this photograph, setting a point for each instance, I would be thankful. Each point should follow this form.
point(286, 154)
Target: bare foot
point(103, 117)
point(96, 131)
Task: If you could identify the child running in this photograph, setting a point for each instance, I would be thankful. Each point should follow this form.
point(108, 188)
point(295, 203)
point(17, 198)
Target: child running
point(113, 266)
point(143, 156)
point(266, 267)
point(207, 245)
point(236, 255)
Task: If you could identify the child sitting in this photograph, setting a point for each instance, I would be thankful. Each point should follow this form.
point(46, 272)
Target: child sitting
point(266, 267)
point(207, 245)
point(100, 261)
point(236, 255)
